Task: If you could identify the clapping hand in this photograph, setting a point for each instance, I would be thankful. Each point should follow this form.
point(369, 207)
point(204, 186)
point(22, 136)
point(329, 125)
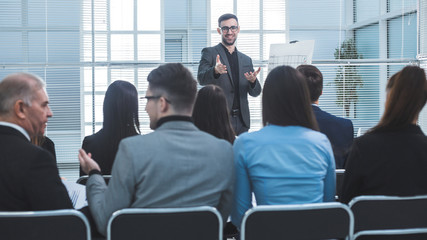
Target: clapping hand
point(86, 162)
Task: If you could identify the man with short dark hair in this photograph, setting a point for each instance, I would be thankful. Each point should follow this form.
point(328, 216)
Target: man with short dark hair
point(339, 130)
point(225, 66)
point(29, 178)
point(177, 165)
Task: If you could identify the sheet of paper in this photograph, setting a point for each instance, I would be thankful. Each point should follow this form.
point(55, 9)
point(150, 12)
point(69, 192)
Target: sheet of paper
point(292, 54)
point(77, 193)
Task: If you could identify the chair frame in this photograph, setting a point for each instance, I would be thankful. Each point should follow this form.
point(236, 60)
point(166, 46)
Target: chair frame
point(297, 207)
point(338, 172)
point(383, 197)
point(49, 213)
point(393, 231)
point(406, 231)
point(166, 210)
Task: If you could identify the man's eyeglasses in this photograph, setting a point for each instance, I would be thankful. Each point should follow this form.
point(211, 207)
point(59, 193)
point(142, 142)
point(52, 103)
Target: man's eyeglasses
point(225, 29)
point(155, 97)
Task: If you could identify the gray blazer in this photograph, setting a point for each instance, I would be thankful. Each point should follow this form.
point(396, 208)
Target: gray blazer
point(177, 165)
point(205, 75)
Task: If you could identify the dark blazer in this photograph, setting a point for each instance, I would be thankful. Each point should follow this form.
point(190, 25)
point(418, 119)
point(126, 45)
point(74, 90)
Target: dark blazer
point(206, 72)
point(29, 178)
point(339, 131)
point(387, 163)
point(102, 151)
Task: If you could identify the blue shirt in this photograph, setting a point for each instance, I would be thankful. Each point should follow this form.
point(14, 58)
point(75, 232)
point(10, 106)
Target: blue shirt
point(282, 165)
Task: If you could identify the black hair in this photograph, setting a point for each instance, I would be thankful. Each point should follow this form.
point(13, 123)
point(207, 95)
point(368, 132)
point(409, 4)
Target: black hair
point(314, 79)
point(211, 114)
point(226, 17)
point(121, 118)
point(286, 100)
point(406, 97)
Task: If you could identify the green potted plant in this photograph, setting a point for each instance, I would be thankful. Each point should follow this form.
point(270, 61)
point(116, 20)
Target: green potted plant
point(347, 79)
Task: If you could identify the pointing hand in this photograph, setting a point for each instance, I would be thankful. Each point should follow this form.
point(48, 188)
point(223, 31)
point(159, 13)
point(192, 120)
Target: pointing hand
point(219, 67)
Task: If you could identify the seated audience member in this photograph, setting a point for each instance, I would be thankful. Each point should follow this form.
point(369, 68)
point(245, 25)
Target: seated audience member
point(29, 178)
point(288, 161)
point(177, 165)
point(391, 158)
point(45, 143)
point(339, 130)
point(213, 118)
point(120, 121)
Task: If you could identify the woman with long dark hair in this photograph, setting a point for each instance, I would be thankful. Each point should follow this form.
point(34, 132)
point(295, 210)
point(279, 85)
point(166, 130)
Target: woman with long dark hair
point(391, 158)
point(211, 114)
point(120, 121)
point(45, 143)
point(288, 161)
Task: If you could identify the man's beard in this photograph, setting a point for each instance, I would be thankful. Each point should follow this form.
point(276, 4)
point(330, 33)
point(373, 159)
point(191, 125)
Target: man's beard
point(224, 40)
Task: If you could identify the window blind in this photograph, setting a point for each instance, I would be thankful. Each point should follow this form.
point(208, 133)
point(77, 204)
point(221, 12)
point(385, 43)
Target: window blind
point(422, 120)
point(43, 37)
point(385, 37)
point(81, 46)
point(422, 52)
point(175, 31)
point(422, 28)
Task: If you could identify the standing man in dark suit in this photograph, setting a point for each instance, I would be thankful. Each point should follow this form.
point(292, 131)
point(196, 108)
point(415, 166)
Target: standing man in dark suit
point(339, 130)
point(225, 66)
point(29, 178)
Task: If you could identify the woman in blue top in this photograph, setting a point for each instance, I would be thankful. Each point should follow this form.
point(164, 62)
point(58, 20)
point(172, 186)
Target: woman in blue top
point(288, 161)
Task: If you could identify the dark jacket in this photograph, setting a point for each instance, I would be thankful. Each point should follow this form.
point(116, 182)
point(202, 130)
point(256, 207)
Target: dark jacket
point(29, 178)
point(205, 75)
point(387, 163)
point(339, 132)
point(102, 151)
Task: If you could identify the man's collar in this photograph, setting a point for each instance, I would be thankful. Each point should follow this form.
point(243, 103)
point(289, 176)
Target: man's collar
point(173, 118)
point(17, 127)
point(226, 49)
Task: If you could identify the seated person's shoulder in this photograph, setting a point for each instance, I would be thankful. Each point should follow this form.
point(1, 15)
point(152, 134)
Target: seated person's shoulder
point(315, 136)
point(340, 121)
point(39, 156)
point(211, 139)
point(30, 154)
point(92, 140)
point(137, 139)
point(345, 122)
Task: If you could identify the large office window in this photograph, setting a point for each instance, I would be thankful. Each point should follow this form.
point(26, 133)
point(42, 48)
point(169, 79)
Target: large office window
point(43, 37)
point(422, 28)
point(122, 41)
point(384, 34)
point(422, 51)
point(117, 47)
point(81, 46)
